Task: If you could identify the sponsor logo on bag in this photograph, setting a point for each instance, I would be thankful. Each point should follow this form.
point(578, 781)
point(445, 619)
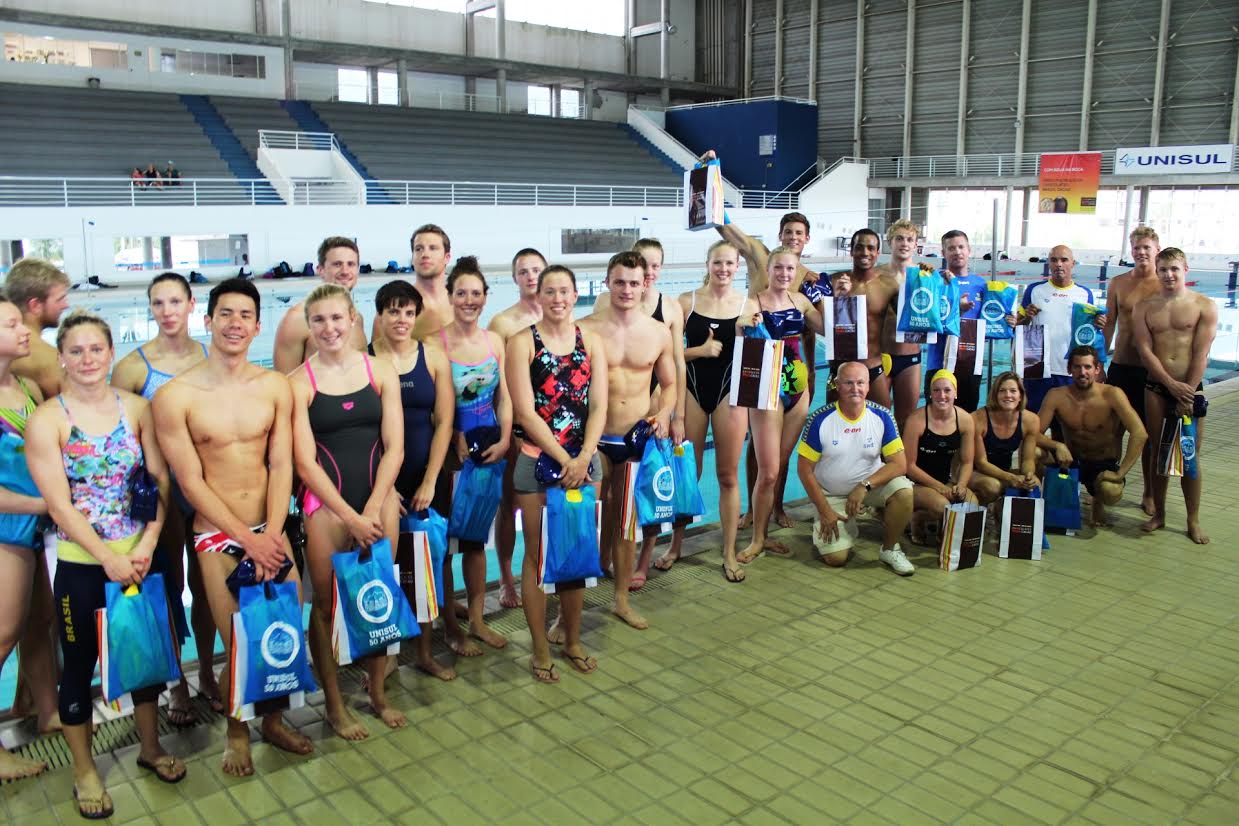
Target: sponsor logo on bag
point(374, 602)
point(1085, 335)
point(1188, 445)
point(280, 645)
point(944, 307)
point(922, 299)
point(993, 310)
point(664, 484)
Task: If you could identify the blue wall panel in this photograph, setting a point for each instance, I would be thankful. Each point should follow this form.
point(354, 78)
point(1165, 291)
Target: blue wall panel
point(734, 130)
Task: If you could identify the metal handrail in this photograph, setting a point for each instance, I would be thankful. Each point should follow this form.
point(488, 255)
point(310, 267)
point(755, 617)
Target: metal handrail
point(78, 192)
point(730, 101)
point(996, 165)
point(281, 139)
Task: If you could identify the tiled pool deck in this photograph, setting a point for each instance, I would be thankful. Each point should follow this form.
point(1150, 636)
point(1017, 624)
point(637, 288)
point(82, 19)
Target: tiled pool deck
point(1100, 685)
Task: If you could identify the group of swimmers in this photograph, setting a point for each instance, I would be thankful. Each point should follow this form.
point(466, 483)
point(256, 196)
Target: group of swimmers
point(373, 426)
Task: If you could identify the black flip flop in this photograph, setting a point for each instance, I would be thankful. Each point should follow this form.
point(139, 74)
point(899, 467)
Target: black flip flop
point(732, 576)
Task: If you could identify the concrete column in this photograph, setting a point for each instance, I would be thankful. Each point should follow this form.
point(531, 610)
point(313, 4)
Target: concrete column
point(1028, 206)
point(630, 42)
point(165, 252)
point(402, 81)
point(1131, 190)
point(664, 40)
point(965, 35)
point(501, 88)
point(1159, 77)
point(905, 204)
point(1086, 97)
point(555, 98)
point(372, 80)
point(286, 29)
point(858, 81)
point(1006, 224)
point(778, 47)
point(748, 48)
point(260, 17)
point(1144, 205)
point(1021, 99)
point(148, 249)
point(501, 31)
point(587, 98)
point(813, 49)
point(909, 59)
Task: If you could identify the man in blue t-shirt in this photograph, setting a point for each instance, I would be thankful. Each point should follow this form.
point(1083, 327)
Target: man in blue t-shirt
point(955, 255)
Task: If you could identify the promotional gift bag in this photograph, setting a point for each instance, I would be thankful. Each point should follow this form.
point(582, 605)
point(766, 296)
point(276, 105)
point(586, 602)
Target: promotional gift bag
point(703, 195)
point(369, 613)
point(654, 492)
point(136, 648)
point(1028, 351)
point(687, 499)
point(269, 657)
point(420, 552)
point(1023, 526)
point(569, 546)
point(963, 530)
point(476, 491)
point(998, 303)
point(756, 370)
point(916, 316)
point(965, 353)
point(1062, 499)
point(846, 316)
point(1084, 330)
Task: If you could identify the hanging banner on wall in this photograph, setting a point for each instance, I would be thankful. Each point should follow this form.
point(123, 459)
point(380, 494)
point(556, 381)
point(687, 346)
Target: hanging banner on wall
point(1173, 160)
point(1068, 182)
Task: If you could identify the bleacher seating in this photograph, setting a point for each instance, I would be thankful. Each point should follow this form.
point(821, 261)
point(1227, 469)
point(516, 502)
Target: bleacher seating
point(245, 116)
point(444, 145)
point(61, 131)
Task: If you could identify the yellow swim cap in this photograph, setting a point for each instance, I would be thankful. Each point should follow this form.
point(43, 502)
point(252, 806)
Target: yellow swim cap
point(945, 374)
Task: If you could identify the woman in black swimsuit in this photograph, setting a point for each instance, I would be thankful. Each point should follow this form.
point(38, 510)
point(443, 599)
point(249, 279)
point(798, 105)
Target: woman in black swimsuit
point(1005, 452)
point(938, 440)
point(348, 445)
point(710, 316)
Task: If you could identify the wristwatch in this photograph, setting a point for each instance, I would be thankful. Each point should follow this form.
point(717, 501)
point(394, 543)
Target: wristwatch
point(868, 486)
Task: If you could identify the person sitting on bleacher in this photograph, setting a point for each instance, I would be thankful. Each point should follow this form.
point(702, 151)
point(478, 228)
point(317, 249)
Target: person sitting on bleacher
point(171, 175)
point(138, 179)
point(152, 175)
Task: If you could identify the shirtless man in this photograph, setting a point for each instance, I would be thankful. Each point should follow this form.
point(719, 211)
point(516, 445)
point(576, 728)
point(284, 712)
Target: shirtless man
point(881, 292)
point(41, 292)
point(1173, 332)
point(338, 263)
point(1125, 371)
point(905, 356)
point(638, 348)
point(143, 372)
point(527, 265)
point(432, 250)
point(234, 463)
point(1094, 417)
point(670, 313)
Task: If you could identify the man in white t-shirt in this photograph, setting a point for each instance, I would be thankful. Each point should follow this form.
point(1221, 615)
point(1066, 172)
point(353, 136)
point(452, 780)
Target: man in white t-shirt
point(851, 457)
point(1048, 304)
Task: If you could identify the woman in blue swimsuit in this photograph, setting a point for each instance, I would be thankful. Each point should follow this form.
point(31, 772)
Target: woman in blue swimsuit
point(785, 315)
point(429, 403)
point(143, 372)
point(348, 445)
point(483, 418)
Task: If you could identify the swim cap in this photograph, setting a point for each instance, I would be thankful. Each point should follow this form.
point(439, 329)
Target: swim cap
point(945, 374)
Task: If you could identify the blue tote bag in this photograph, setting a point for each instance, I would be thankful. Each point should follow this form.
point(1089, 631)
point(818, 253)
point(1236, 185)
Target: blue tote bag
point(998, 303)
point(369, 613)
point(269, 657)
point(1084, 332)
point(687, 500)
point(420, 553)
point(136, 649)
point(17, 528)
point(569, 538)
point(922, 289)
point(1062, 498)
point(475, 501)
point(654, 492)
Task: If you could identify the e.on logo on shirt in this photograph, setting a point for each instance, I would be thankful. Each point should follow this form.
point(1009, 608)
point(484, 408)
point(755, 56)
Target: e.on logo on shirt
point(851, 430)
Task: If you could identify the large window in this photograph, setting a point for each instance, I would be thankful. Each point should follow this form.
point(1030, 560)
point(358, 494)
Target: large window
point(187, 62)
point(55, 51)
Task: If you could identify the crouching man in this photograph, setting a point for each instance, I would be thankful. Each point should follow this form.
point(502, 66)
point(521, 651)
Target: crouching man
point(851, 457)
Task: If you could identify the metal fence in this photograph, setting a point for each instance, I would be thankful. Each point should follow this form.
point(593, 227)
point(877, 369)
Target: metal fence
point(1001, 165)
point(278, 139)
point(94, 192)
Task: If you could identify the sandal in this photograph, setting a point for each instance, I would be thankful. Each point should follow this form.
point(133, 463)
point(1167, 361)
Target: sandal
point(544, 675)
point(586, 665)
point(733, 574)
point(102, 814)
point(166, 762)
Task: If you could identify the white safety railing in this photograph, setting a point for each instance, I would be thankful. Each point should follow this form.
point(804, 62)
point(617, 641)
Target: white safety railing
point(277, 139)
point(999, 165)
point(90, 192)
point(97, 192)
point(715, 103)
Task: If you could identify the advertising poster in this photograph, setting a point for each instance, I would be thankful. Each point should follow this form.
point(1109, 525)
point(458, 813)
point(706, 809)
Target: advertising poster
point(1068, 182)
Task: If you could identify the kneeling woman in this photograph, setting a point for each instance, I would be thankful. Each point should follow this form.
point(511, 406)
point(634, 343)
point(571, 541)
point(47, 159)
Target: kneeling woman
point(348, 444)
point(558, 379)
point(83, 448)
point(939, 442)
point(1005, 444)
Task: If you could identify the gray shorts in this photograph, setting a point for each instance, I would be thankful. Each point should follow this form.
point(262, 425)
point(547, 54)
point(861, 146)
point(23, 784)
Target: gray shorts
point(523, 480)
